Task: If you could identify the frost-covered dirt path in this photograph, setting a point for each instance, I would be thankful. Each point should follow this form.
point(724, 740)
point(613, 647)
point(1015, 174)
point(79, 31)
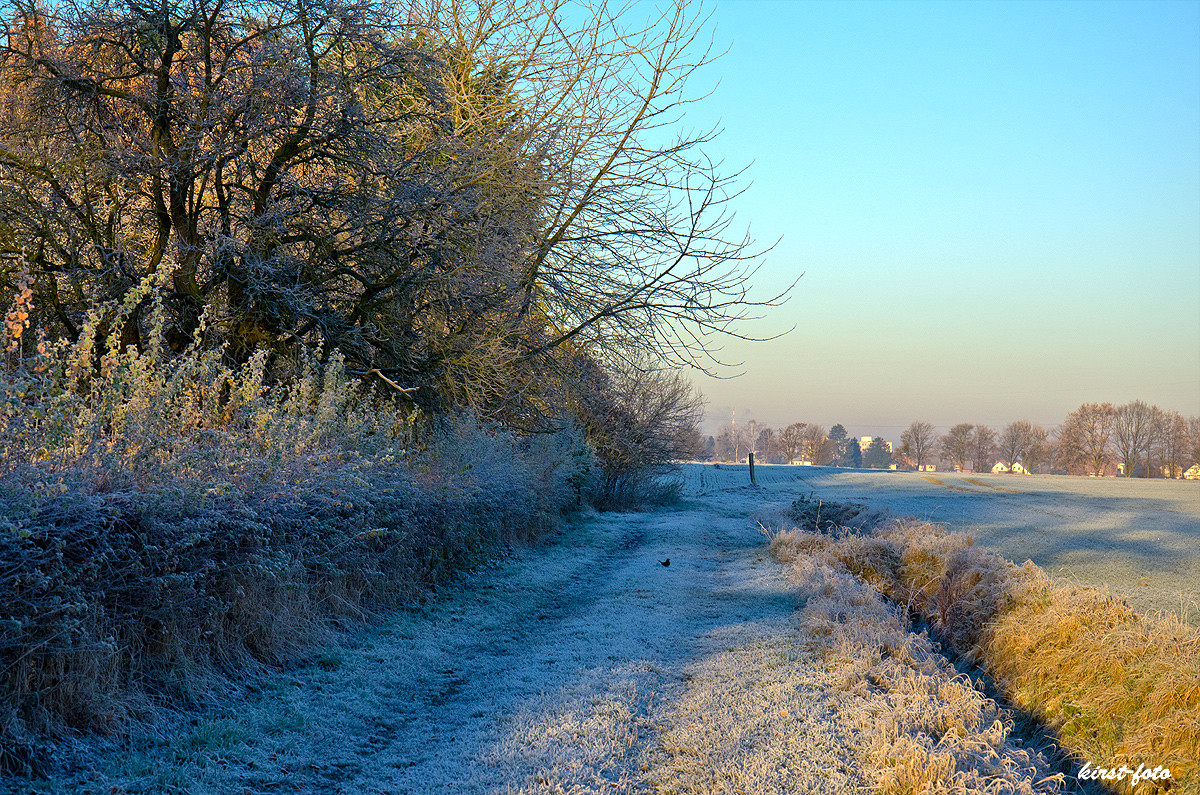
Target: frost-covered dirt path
point(579, 667)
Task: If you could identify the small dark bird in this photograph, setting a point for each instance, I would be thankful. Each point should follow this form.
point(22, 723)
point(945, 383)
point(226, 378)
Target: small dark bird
point(666, 562)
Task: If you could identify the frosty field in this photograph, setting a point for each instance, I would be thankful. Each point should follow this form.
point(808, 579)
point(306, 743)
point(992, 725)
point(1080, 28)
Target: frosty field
point(1140, 538)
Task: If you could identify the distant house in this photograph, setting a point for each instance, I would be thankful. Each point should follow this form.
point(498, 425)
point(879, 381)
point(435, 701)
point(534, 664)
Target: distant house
point(1015, 468)
point(1193, 473)
point(928, 468)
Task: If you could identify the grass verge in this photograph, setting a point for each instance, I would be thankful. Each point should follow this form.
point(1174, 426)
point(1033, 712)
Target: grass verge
point(1119, 689)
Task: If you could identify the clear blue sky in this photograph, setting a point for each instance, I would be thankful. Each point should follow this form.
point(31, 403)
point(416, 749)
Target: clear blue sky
point(996, 207)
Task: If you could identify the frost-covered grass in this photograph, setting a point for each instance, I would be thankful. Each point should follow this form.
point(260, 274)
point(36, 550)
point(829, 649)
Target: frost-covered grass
point(924, 727)
point(585, 666)
point(1117, 688)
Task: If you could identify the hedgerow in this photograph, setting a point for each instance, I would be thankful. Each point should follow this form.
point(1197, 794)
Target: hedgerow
point(169, 520)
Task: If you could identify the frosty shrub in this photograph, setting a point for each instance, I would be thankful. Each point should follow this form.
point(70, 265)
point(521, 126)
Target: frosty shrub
point(168, 520)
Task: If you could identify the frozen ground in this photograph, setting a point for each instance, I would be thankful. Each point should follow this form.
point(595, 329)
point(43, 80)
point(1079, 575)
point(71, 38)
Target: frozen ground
point(581, 667)
point(1140, 538)
point(586, 667)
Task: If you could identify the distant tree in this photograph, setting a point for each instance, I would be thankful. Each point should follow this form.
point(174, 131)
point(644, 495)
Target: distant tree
point(765, 444)
point(1172, 444)
point(743, 438)
point(1039, 448)
point(853, 454)
point(1133, 429)
point(723, 446)
point(983, 448)
point(838, 445)
point(710, 445)
point(790, 439)
point(1014, 442)
point(1192, 448)
point(815, 445)
point(956, 444)
point(917, 442)
point(1085, 439)
point(877, 455)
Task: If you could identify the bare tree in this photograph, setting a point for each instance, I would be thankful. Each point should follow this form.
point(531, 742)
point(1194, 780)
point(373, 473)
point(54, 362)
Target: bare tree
point(641, 422)
point(1133, 429)
point(723, 447)
point(956, 444)
point(1173, 439)
point(458, 196)
point(1085, 439)
point(1192, 456)
point(765, 445)
point(633, 251)
point(814, 445)
point(917, 443)
point(1014, 443)
point(790, 440)
point(1039, 448)
point(742, 440)
point(983, 448)
point(1152, 447)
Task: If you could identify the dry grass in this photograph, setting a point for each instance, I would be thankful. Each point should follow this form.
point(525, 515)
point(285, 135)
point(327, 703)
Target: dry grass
point(1119, 688)
point(1115, 685)
point(938, 482)
point(986, 485)
point(926, 728)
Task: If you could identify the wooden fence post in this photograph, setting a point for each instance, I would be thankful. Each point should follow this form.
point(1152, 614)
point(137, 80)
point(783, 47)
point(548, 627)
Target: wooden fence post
point(753, 482)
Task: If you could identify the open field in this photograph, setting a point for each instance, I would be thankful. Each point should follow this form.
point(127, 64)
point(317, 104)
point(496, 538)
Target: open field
point(1141, 538)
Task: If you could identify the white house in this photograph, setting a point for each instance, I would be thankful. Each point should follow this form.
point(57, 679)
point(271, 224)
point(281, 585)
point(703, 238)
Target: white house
point(1015, 468)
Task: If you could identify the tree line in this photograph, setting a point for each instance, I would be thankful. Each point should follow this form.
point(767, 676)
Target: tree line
point(800, 442)
point(1135, 440)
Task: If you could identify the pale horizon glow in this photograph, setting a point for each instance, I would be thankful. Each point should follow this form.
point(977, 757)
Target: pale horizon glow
point(995, 206)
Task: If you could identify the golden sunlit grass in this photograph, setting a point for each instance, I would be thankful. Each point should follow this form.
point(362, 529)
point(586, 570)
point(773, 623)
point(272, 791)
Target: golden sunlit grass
point(924, 727)
point(978, 482)
point(939, 482)
point(1119, 688)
